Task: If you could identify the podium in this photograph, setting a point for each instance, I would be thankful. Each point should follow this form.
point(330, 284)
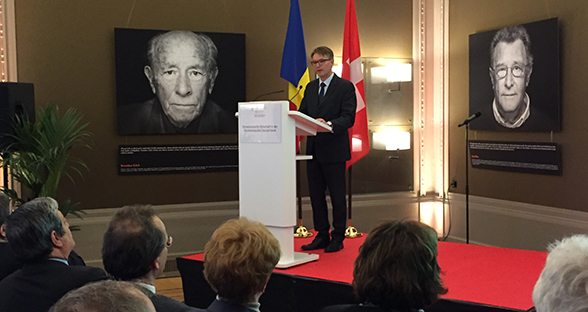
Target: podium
point(267, 169)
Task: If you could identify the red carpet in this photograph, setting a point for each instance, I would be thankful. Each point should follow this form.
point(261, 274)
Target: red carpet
point(489, 275)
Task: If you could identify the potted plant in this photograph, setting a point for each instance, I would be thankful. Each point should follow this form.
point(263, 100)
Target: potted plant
point(40, 154)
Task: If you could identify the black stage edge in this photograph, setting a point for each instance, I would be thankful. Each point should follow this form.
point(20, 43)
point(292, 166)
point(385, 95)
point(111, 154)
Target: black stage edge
point(291, 293)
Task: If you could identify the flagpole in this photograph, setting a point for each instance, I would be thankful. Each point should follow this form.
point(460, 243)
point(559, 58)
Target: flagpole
point(301, 231)
point(352, 71)
point(351, 231)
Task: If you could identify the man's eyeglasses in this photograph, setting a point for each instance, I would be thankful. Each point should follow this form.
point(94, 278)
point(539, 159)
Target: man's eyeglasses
point(169, 241)
point(319, 62)
point(501, 71)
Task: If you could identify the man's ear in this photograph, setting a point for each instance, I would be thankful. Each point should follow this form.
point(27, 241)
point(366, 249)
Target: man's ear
point(491, 76)
point(213, 75)
point(56, 239)
point(155, 265)
point(528, 76)
point(149, 74)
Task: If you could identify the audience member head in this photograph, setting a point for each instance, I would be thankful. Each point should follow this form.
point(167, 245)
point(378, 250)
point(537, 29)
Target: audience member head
point(397, 267)
point(135, 245)
point(4, 212)
point(239, 259)
point(37, 230)
point(105, 296)
point(563, 284)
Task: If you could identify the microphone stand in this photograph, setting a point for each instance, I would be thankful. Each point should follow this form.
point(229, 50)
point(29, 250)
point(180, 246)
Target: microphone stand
point(467, 178)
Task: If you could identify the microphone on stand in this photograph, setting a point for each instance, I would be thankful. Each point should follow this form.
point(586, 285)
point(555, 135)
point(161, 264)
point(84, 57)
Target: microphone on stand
point(270, 93)
point(472, 117)
point(299, 88)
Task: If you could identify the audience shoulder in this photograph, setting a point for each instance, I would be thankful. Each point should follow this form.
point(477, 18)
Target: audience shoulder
point(92, 274)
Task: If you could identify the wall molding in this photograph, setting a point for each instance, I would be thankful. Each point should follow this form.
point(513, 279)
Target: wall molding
point(493, 222)
point(504, 223)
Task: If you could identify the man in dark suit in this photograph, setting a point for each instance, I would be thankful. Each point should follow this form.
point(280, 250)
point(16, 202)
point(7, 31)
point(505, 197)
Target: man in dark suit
point(8, 262)
point(135, 249)
point(331, 100)
point(40, 237)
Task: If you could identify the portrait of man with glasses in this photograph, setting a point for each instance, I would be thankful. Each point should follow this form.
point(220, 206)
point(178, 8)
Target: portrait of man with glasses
point(510, 72)
point(522, 62)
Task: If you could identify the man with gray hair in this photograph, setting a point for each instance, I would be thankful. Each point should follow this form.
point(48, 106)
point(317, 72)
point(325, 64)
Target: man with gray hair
point(562, 284)
point(40, 237)
point(181, 72)
point(511, 65)
point(105, 296)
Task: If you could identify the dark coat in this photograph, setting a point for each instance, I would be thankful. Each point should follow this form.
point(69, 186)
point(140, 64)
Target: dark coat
point(338, 107)
point(37, 286)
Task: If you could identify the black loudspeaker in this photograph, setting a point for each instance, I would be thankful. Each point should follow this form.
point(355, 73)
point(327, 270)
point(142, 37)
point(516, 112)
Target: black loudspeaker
point(16, 99)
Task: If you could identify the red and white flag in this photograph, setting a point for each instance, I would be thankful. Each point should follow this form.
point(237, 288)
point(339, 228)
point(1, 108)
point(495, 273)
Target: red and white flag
point(358, 134)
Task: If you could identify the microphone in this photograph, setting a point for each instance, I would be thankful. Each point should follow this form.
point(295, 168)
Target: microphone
point(472, 117)
point(299, 88)
point(270, 93)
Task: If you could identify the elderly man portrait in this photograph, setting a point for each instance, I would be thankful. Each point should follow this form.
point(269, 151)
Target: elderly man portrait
point(238, 261)
point(514, 78)
point(105, 296)
point(41, 239)
point(135, 249)
point(181, 72)
point(510, 71)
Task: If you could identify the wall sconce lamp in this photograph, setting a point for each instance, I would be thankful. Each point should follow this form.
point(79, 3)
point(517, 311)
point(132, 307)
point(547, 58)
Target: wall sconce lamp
point(393, 72)
point(391, 140)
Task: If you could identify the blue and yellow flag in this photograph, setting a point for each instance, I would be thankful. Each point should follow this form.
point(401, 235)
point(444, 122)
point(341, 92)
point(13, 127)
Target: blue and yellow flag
point(294, 61)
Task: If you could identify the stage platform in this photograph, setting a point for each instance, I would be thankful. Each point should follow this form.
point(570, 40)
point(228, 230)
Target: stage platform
point(479, 278)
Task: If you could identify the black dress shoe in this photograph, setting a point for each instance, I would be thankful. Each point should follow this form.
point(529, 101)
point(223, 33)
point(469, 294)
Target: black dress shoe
point(334, 246)
point(317, 243)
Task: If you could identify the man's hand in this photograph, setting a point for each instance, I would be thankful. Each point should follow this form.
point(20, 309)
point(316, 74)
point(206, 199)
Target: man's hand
point(321, 120)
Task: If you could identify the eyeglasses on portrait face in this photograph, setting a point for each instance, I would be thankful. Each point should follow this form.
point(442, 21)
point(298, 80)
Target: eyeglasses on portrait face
point(169, 241)
point(516, 70)
point(319, 62)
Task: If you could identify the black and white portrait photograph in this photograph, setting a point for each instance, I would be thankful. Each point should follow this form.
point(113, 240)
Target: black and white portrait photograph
point(178, 81)
point(514, 78)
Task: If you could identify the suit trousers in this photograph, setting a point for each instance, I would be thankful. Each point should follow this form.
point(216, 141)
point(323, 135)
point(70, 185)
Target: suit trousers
point(331, 176)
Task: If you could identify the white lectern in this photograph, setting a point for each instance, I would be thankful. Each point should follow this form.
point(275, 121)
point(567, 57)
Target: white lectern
point(267, 169)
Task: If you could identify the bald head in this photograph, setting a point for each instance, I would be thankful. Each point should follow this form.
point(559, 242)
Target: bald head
point(181, 71)
point(105, 296)
point(201, 44)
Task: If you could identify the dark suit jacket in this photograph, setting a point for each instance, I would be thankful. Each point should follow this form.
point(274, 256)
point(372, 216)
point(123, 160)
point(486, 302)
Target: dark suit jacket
point(338, 107)
point(221, 306)
point(149, 118)
point(167, 304)
point(8, 262)
point(37, 286)
point(353, 308)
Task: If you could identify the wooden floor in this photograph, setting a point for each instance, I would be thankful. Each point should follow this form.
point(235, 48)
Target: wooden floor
point(170, 287)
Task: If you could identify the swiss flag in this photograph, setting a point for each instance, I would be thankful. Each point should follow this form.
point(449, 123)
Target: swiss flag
point(358, 134)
